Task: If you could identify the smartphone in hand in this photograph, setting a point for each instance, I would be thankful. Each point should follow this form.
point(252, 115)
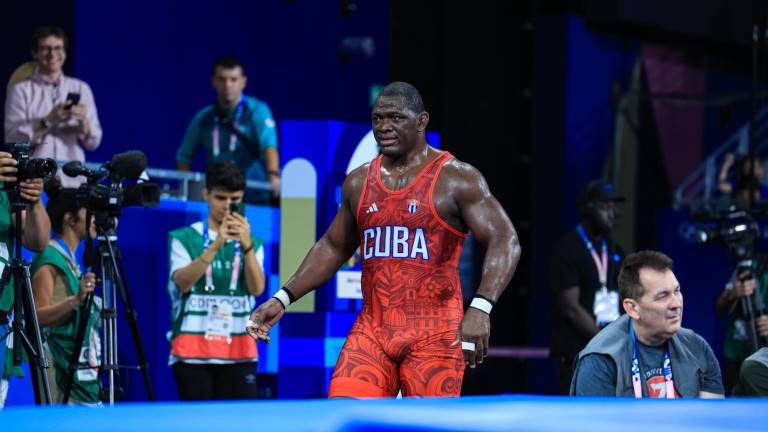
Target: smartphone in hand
point(237, 207)
point(72, 99)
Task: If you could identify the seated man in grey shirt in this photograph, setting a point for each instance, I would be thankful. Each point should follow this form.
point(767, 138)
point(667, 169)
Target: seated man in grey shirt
point(646, 352)
point(753, 377)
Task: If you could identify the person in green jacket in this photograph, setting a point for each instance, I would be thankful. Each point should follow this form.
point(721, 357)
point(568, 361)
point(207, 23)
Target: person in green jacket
point(60, 289)
point(35, 228)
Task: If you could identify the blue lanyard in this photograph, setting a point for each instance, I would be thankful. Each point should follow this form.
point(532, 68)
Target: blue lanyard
point(209, 287)
point(636, 382)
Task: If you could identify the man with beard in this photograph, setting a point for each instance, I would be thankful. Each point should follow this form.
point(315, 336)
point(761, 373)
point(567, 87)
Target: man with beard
point(409, 211)
point(584, 267)
point(646, 352)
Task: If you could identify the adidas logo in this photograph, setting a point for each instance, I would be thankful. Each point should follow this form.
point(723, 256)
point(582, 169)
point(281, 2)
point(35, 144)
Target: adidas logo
point(372, 208)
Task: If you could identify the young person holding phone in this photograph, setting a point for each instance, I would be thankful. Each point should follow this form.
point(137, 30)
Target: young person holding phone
point(216, 271)
point(55, 112)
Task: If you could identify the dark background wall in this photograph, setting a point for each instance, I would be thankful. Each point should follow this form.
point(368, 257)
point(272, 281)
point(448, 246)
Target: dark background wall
point(474, 66)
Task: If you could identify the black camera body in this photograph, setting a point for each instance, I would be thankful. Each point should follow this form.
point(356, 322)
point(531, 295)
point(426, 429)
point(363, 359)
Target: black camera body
point(30, 168)
point(110, 198)
point(106, 200)
point(735, 228)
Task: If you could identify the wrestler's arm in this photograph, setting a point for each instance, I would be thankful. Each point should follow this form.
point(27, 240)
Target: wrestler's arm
point(486, 219)
point(334, 248)
point(323, 260)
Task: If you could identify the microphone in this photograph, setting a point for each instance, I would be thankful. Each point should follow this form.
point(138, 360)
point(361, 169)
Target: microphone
point(127, 165)
point(76, 168)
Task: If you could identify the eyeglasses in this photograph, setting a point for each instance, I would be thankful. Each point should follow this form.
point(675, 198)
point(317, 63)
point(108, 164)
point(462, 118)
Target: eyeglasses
point(45, 49)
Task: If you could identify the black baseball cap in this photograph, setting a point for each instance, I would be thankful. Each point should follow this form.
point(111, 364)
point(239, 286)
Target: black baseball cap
point(599, 190)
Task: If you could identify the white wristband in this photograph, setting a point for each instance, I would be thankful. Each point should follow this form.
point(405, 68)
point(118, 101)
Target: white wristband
point(482, 304)
point(283, 298)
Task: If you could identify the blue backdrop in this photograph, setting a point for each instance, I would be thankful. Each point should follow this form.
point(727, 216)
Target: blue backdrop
point(150, 68)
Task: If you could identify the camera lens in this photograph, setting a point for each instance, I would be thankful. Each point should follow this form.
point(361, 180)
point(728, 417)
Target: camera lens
point(37, 168)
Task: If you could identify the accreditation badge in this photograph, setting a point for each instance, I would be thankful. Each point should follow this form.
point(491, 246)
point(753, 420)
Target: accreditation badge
point(90, 355)
point(219, 322)
point(606, 306)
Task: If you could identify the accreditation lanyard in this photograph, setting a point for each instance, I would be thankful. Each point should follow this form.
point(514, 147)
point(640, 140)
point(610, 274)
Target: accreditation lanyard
point(232, 136)
point(636, 383)
point(601, 261)
point(209, 287)
point(73, 264)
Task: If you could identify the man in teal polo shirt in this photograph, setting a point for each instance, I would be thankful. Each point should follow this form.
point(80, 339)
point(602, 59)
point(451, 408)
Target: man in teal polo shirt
point(235, 128)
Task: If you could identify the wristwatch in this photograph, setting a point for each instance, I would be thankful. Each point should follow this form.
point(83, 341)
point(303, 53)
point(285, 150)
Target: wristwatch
point(44, 123)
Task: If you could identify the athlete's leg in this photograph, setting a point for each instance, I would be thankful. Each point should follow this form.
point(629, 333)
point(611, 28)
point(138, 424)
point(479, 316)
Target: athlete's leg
point(433, 367)
point(363, 370)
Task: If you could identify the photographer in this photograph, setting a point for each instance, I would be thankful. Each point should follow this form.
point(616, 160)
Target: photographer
point(216, 270)
point(60, 290)
point(736, 301)
point(35, 227)
point(54, 111)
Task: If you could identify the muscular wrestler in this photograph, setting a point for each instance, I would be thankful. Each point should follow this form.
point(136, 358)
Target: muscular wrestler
point(409, 211)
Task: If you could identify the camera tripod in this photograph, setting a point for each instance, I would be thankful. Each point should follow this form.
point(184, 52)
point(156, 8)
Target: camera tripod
point(25, 329)
point(109, 270)
point(753, 306)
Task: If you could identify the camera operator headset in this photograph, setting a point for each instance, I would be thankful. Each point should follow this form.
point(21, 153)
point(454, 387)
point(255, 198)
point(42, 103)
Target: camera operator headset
point(743, 299)
point(36, 227)
point(60, 291)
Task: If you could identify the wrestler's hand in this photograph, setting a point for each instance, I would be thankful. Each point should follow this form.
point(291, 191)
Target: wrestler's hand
point(264, 318)
point(475, 328)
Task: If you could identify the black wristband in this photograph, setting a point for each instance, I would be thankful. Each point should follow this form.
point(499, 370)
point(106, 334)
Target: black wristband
point(290, 294)
point(273, 173)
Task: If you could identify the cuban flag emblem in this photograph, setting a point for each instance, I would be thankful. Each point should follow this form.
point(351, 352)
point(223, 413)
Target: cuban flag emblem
point(413, 205)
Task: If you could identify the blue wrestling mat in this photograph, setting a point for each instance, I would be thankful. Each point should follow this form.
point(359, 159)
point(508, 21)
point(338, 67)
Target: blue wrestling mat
point(486, 413)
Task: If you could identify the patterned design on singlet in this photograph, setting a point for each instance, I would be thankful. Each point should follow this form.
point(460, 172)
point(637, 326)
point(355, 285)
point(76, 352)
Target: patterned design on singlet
point(412, 306)
point(410, 255)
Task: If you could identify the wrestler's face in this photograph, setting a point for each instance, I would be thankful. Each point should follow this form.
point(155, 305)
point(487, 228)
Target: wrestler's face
point(229, 84)
point(50, 54)
point(396, 128)
point(659, 311)
point(219, 200)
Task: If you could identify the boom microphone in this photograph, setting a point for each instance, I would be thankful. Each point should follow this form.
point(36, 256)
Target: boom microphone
point(127, 165)
point(76, 168)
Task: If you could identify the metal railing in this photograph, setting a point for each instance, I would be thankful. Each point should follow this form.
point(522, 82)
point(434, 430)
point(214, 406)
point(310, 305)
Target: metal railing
point(184, 181)
point(701, 184)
